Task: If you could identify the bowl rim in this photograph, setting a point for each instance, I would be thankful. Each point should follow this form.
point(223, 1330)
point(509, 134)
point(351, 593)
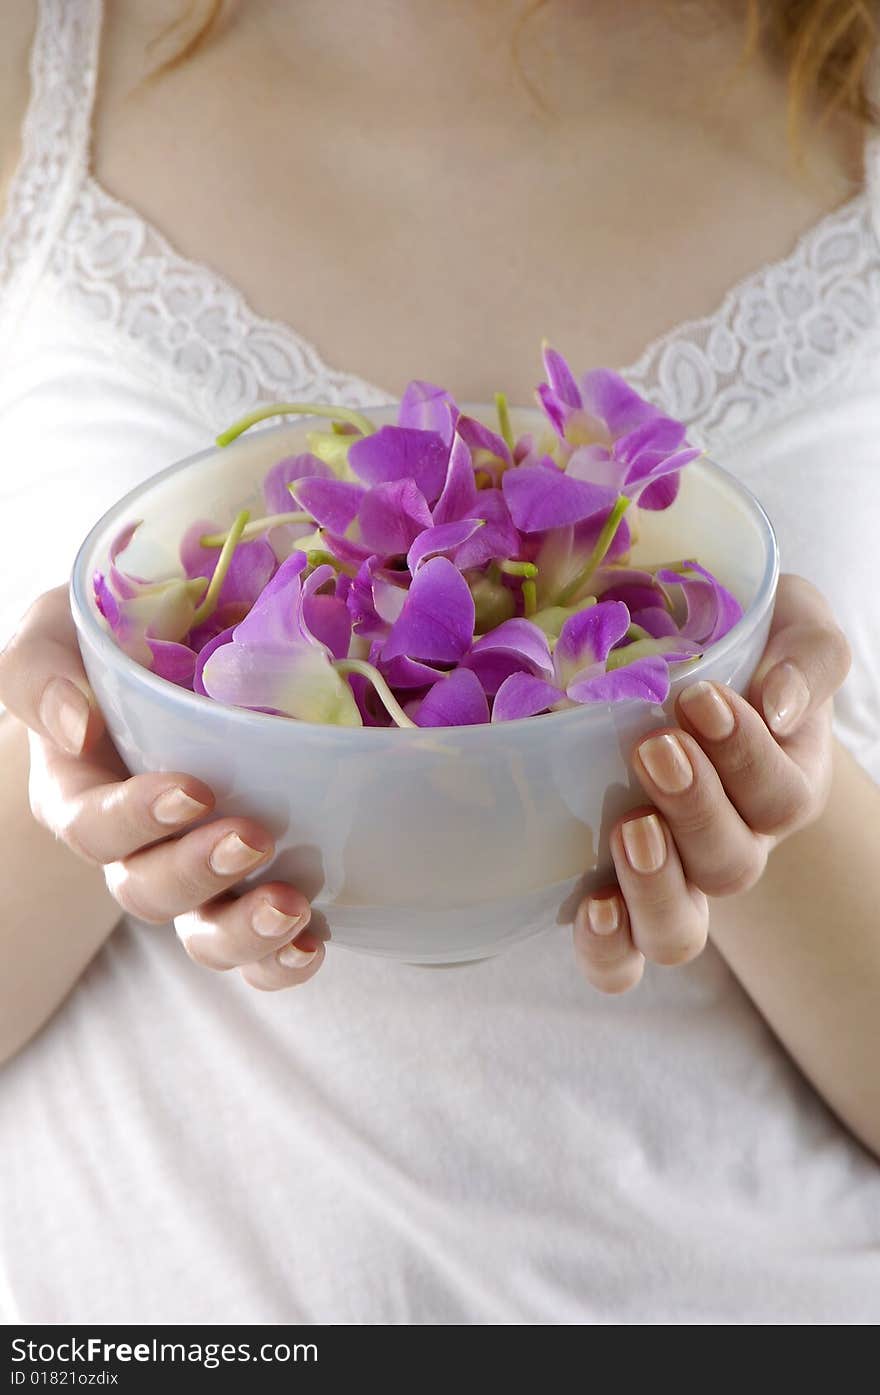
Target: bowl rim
point(109, 652)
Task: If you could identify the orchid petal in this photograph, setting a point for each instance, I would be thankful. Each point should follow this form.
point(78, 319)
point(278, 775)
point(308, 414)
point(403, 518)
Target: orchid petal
point(292, 467)
point(437, 620)
point(332, 503)
point(646, 680)
point(560, 378)
point(521, 695)
point(597, 465)
point(587, 638)
point(273, 620)
point(455, 701)
point(655, 619)
point(174, 662)
point(483, 442)
point(459, 496)
point(711, 609)
point(300, 682)
point(398, 453)
point(425, 407)
point(497, 539)
point(224, 637)
point(660, 494)
point(326, 617)
point(610, 398)
point(252, 564)
point(392, 516)
point(541, 497)
point(443, 539)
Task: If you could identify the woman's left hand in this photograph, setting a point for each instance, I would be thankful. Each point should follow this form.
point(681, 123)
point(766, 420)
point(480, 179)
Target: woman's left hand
point(735, 778)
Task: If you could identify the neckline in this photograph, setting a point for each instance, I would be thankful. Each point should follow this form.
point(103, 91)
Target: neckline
point(54, 178)
point(341, 386)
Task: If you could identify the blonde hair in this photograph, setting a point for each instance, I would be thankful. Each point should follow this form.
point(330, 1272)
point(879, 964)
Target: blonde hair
point(824, 46)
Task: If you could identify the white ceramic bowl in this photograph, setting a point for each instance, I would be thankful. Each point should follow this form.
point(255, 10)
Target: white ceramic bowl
point(431, 846)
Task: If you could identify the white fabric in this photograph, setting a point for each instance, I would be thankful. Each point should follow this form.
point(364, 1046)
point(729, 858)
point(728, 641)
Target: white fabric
point(494, 1143)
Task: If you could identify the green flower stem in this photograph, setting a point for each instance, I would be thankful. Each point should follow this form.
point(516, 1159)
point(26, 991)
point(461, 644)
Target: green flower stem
point(290, 409)
point(504, 420)
point(597, 556)
point(254, 529)
point(530, 597)
point(525, 569)
point(384, 693)
point(233, 537)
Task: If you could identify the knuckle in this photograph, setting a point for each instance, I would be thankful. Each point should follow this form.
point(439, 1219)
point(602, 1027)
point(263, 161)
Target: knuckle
point(129, 895)
point(735, 878)
point(677, 947)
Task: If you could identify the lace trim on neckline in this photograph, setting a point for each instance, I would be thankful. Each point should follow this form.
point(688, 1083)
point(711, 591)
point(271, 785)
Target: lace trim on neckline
point(781, 334)
point(55, 142)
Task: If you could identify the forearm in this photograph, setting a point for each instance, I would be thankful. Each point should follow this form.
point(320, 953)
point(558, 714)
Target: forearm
point(805, 944)
point(57, 911)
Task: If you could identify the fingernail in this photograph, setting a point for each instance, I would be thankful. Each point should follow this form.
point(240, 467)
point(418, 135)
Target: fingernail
point(707, 711)
point(644, 844)
point(176, 806)
point(272, 923)
point(603, 915)
point(785, 697)
point(667, 763)
point(233, 854)
point(292, 957)
point(64, 712)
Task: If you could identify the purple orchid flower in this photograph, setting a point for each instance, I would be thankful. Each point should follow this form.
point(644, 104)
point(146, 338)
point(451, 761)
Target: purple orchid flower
point(579, 673)
point(149, 619)
point(455, 700)
point(616, 438)
point(252, 566)
point(280, 658)
point(425, 407)
point(710, 609)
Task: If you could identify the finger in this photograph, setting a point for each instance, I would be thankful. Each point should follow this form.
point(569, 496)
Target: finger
point(806, 659)
point(603, 943)
point(669, 919)
point(720, 853)
point(230, 931)
point(772, 792)
point(100, 817)
point(288, 967)
point(170, 878)
point(42, 680)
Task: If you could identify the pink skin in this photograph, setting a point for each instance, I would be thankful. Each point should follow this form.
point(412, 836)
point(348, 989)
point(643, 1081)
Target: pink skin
point(739, 795)
point(723, 795)
point(80, 790)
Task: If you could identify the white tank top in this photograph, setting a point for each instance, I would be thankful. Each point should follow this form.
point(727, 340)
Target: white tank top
point(490, 1144)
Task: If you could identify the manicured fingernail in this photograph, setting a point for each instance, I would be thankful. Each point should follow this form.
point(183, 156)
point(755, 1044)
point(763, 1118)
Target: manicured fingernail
point(272, 923)
point(667, 763)
point(785, 697)
point(292, 957)
point(64, 712)
point(603, 915)
point(232, 854)
point(707, 711)
point(644, 844)
point(176, 806)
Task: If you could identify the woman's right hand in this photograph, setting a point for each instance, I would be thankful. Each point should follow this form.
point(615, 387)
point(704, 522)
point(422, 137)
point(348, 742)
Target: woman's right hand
point(135, 827)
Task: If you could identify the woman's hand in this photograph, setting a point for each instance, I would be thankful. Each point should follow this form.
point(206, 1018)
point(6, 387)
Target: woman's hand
point(735, 779)
point(135, 827)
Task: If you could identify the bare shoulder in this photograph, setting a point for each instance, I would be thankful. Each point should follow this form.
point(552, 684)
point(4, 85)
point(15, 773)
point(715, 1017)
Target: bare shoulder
point(19, 19)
